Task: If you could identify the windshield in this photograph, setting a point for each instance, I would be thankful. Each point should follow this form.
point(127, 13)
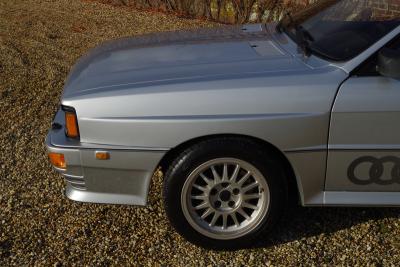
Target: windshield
point(340, 30)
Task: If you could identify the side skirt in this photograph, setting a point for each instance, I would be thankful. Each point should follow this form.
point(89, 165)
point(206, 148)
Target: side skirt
point(378, 199)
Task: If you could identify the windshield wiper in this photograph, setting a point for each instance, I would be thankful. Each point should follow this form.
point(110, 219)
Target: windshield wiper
point(303, 37)
point(280, 27)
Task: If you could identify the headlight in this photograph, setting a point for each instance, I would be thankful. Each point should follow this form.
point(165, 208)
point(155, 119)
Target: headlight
point(71, 122)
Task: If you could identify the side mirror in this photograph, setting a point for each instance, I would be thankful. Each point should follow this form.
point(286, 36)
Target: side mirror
point(389, 63)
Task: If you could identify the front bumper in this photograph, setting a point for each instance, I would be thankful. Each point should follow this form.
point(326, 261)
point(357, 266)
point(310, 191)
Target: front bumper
point(122, 179)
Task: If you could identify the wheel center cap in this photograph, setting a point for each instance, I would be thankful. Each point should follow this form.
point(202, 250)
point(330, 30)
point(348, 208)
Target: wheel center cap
point(225, 195)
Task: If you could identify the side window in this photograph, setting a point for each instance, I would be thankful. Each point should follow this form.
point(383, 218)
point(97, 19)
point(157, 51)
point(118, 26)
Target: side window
point(368, 68)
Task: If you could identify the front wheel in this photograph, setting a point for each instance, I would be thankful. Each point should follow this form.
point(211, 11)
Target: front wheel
point(224, 193)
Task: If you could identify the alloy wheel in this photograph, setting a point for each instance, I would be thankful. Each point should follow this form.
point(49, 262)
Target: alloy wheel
point(225, 198)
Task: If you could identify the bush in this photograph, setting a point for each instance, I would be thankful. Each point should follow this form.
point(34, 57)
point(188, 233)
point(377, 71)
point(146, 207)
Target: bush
point(228, 11)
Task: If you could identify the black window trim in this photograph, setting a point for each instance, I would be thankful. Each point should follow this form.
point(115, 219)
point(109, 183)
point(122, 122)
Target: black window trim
point(359, 68)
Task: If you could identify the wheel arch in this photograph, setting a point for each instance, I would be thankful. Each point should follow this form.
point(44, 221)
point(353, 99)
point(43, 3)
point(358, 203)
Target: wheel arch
point(293, 188)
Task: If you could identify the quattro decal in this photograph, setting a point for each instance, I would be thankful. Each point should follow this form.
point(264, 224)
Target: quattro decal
point(376, 170)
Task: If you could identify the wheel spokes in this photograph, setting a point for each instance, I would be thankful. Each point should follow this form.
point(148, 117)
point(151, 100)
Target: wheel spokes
point(206, 179)
point(248, 205)
point(214, 218)
point(216, 176)
point(206, 213)
point(250, 186)
point(235, 173)
point(199, 197)
point(244, 178)
point(225, 173)
point(199, 187)
point(203, 205)
point(251, 196)
point(227, 196)
point(224, 220)
point(243, 213)
point(235, 220)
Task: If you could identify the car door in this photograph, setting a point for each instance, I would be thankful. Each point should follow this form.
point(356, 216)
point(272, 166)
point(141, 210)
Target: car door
point(364, 138)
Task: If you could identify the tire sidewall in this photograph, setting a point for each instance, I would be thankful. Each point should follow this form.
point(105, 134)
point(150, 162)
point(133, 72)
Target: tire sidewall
point(193, 157)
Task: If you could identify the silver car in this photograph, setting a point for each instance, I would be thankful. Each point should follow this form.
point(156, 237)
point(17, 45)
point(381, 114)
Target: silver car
point(241, 119)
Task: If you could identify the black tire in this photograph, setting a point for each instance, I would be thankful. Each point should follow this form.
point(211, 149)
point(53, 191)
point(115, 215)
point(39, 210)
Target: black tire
point(233, 147)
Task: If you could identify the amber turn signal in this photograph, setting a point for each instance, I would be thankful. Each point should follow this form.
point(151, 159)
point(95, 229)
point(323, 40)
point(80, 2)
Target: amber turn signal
point(58, 160)
point(102, 155)
point(71, 124)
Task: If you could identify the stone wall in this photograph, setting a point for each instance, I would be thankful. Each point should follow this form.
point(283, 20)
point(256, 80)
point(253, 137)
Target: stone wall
point(387, 9)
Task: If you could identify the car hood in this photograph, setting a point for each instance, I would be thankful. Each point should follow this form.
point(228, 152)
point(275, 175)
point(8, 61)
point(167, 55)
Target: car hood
point(174, 57)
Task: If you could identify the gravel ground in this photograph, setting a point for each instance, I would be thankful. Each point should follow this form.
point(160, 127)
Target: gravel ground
point(39, 42)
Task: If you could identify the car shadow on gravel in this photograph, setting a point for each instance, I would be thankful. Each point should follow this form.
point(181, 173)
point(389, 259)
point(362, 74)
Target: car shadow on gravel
point(299, 222)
